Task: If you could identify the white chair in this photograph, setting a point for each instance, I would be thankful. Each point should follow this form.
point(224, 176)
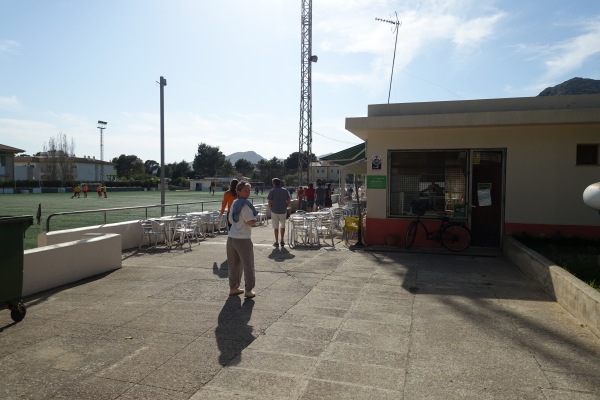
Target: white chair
point(325, 226)
point(151, 229)
point(208, 221)
point(200, 226)
point(297, 229)
point(220, 222)
point(302, 230)
point(187, 230)
point(261, 217)
point(338, 219)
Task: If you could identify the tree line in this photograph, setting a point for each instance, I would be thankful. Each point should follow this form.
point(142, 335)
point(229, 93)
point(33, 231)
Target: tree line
point(209, 162)
point(58, 166)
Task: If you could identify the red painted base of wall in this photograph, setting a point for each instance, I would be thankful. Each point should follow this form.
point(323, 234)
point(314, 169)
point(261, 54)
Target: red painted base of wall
point(379, 228)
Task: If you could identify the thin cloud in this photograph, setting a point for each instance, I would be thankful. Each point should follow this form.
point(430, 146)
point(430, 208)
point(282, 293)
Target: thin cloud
point(9, 46)
point(571, 54)
point(465, 25)
point(472, 33)
point(8, 103)
point(560, 59)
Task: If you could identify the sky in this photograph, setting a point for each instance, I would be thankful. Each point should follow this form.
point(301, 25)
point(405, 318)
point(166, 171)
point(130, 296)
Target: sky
point(233, 67)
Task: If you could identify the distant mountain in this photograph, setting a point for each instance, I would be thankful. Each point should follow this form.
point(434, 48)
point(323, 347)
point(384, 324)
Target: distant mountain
point(573, 86)
point(246, 155)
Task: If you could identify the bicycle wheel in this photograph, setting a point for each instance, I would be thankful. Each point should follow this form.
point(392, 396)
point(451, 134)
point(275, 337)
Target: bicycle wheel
point(411, 234)
point(456, 237)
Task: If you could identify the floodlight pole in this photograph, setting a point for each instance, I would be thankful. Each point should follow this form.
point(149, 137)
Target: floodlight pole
point(396, 26)
point(163, 83)
point(102, 127)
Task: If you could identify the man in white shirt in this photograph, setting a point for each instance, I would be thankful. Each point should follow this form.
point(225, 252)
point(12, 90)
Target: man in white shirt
point(279, 200)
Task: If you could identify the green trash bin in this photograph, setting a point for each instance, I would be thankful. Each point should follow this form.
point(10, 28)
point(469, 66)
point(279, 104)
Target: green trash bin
point(12, 231)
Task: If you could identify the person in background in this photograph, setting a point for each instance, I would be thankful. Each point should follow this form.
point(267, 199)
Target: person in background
point(228, 198)
point(328, 193)
point(85, 190)
point(279, 200)
point(99, 190)
point(240, 249)
point(310, 197)
point(319, 197)
point(76, 190)
point(301, 199)
point(349, 192)
point(104, 190)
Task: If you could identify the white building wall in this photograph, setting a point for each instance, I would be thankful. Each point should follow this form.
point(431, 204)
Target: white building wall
point(87, 172)
point(543, 184)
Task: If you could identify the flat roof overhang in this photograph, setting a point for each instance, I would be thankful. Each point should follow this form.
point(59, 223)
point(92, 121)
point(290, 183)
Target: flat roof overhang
point(576, 109)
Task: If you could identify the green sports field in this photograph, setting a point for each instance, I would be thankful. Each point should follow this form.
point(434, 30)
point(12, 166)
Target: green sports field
point(27, 204)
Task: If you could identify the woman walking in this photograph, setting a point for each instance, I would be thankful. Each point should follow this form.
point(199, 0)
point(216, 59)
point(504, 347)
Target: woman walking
point(228, 198)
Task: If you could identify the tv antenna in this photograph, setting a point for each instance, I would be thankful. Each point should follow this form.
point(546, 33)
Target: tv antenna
point(395, 28)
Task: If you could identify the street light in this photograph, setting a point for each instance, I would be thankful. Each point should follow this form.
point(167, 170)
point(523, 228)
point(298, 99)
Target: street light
point(102, 127)
point(162, 83)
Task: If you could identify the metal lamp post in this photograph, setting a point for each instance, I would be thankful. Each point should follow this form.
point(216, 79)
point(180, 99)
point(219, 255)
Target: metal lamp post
point(102, 127)
point(163, 83)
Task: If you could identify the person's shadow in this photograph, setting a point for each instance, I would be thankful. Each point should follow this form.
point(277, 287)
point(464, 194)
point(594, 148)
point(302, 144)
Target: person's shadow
point(280, 255)
point(233, 332)
point(223, 271)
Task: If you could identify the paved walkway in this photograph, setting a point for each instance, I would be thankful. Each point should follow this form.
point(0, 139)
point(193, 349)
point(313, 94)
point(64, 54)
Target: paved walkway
point(325, 324)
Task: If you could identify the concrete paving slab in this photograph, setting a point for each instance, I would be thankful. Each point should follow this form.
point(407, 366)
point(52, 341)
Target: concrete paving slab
point(362, 374)
point(237, 381)
point(326, 390)
point(390, 358)
point(285, 345)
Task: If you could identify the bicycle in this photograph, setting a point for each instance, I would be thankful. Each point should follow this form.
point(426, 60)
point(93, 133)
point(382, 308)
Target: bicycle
point(452, 235)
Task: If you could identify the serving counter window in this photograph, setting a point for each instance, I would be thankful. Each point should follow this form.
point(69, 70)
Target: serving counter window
point(437, 179)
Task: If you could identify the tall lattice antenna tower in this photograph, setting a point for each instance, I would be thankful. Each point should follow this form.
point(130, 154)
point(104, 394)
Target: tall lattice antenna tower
point(307, 58)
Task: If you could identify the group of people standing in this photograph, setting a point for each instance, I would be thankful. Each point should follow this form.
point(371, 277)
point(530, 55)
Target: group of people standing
point(242, 217)
point(311, 199)
point(77, 189)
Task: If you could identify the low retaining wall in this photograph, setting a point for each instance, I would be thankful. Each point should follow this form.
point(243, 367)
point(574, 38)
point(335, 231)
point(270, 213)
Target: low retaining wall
point(578, 298)
point(130, 231)
point(58, 264)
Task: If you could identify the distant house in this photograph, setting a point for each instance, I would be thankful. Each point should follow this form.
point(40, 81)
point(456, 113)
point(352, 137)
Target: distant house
point(514, 165)
point(7, 165)
point(85, 169)
point(324, 171)
point(203, 185)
